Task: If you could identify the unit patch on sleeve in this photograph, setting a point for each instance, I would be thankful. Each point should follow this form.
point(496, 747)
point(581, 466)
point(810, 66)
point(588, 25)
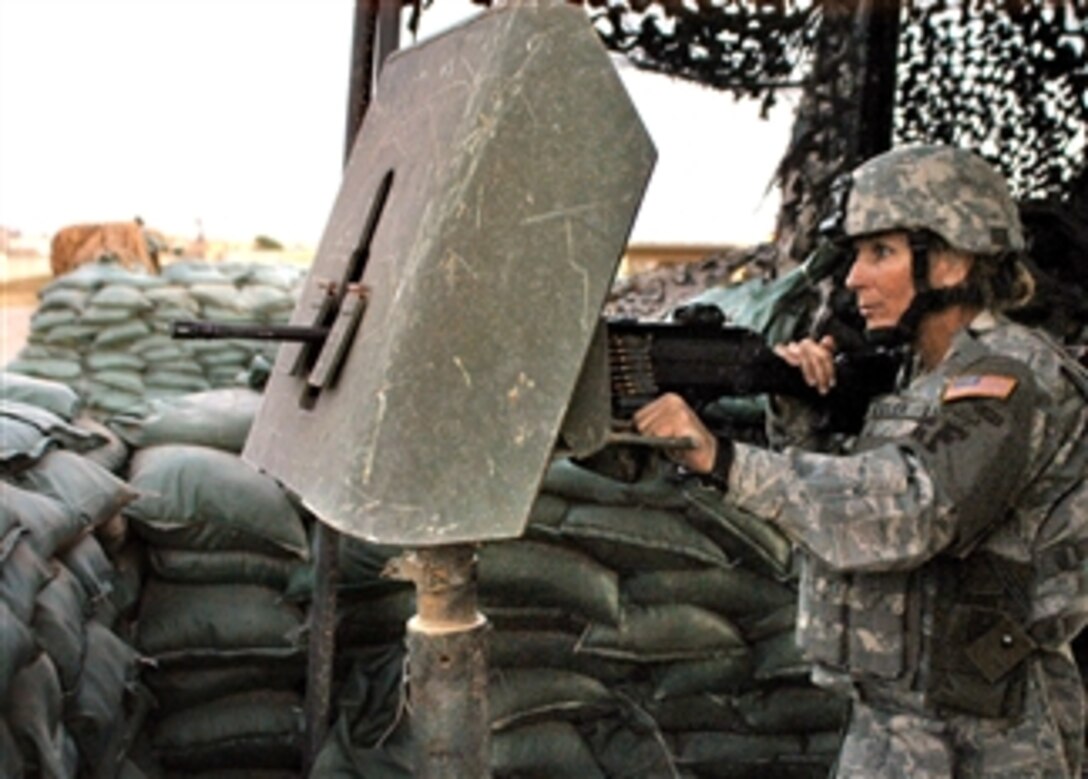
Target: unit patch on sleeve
point(978, 386)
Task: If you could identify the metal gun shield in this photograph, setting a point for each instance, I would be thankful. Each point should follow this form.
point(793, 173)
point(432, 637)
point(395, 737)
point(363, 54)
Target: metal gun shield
point(482, 215)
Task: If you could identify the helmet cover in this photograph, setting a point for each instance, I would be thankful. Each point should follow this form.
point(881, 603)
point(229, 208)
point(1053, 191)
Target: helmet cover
point(952, 192)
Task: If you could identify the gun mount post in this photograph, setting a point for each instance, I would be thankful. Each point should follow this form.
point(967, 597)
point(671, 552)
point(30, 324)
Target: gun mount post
point(447, 663)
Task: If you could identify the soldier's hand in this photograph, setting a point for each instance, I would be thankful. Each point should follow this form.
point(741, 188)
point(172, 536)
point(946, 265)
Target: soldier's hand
point(816, 359)
point(671, 417)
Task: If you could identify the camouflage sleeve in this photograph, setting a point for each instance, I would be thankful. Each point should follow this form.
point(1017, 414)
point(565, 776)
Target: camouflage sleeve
point(895, 503)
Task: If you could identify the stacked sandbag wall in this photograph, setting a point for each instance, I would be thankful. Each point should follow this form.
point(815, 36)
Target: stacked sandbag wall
point(71, 701)
point(221, 543)
point(104, 330)
point(638, 630)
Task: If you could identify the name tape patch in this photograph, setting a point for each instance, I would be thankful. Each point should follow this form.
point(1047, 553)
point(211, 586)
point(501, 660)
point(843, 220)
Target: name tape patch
point(979, 386)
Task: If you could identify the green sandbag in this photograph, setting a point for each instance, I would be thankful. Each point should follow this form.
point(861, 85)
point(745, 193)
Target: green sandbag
point(160, 379)
point(46, 368)
point(91, 566)
point(710, 747)
point(732, 591)
point(216, 418)
point(114, 361)
point(90, 491)
point(199, 498)
point(698, 711)
point(121, 379)
point(757, 627)
point(568, 480)
point(122, 296)
point(34, 708)
point(123, 333)
point(11, 759)
point(529, 573)
point(520, 695)
point(539, 648)
point(183, 688)
point(53, 396)
point(742, 535)
point(547, 513)
point(542, 749)
point(229, 567)
point(208, 622)
point(113, 453)
point(53, 297)
point(259, 730)
point(23, 573)
point(663, 633)
point(105, 316)
point(59, 625)
point(47, 319)
point(792, 709)
point(19, 647)
point(95, 715)
point(629, 744)
point(21, 445)
point(779, 657)
point(64, 431)
point(630, 539)
point(726, 673)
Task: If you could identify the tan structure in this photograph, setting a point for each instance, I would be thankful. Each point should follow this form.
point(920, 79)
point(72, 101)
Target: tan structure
point(79, 244)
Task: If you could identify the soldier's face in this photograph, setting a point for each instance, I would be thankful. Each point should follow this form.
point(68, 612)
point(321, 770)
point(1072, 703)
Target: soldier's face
point(881, 278)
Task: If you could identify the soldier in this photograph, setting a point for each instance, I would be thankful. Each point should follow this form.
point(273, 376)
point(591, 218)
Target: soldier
point(943, 552)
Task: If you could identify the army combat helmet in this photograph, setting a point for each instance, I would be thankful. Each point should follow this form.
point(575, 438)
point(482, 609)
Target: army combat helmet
point(940, 195)
point(951, 192)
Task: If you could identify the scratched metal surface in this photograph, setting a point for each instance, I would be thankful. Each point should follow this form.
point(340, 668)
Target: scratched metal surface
point(517, 164)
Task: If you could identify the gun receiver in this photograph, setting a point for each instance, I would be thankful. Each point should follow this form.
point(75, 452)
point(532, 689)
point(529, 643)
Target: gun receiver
point(703, 362)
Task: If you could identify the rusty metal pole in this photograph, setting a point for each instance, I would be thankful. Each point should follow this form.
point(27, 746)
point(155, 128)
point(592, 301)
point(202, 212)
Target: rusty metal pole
point(447, 664)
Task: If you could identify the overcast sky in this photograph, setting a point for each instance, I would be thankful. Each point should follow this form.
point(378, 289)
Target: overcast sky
point(229, 114)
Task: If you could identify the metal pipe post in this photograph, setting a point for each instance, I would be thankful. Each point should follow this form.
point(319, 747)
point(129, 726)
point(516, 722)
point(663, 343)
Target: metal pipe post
point(447, 666)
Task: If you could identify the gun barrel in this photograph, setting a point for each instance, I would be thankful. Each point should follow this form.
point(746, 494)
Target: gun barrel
point(198, 329)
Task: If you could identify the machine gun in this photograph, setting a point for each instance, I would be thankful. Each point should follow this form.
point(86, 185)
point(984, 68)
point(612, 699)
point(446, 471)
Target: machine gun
point(703, 361)
point(700, 358)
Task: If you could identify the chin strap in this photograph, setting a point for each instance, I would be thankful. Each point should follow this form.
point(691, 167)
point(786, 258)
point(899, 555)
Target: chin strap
point(926, 299)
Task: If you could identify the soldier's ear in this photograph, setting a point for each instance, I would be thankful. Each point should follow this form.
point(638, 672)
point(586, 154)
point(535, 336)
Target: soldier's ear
point(949, 267)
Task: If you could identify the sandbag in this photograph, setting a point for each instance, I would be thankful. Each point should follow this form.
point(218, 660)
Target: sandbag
point(59, 625)
point(520, 695)
point(18, 423)
point(726, 673)
point(23, 573)
point(113, 453)
point(779, 657)
point(259, 730)
point(792, 709)
point(743, 536)
point(542, 749)
point(209, 622)
point(631, 539)
point(575, 483)
point(660, 633)
point(218, 418)
point(195, 497)
point(228, 567)
point(87, 561)
point(96, 714)
point(88, 489)
point(53, 396)
point(33, 711)
point(18, 645)
point(183, 688)
point(731, 591)
point(50, 524)
point(521, 573)
point(11, 759)
point(541, 648)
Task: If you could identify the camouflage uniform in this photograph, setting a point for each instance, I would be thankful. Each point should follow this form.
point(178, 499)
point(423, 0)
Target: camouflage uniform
point(966, 481)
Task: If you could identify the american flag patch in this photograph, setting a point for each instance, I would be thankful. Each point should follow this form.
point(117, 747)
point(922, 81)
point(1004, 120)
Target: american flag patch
point(978, 386)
